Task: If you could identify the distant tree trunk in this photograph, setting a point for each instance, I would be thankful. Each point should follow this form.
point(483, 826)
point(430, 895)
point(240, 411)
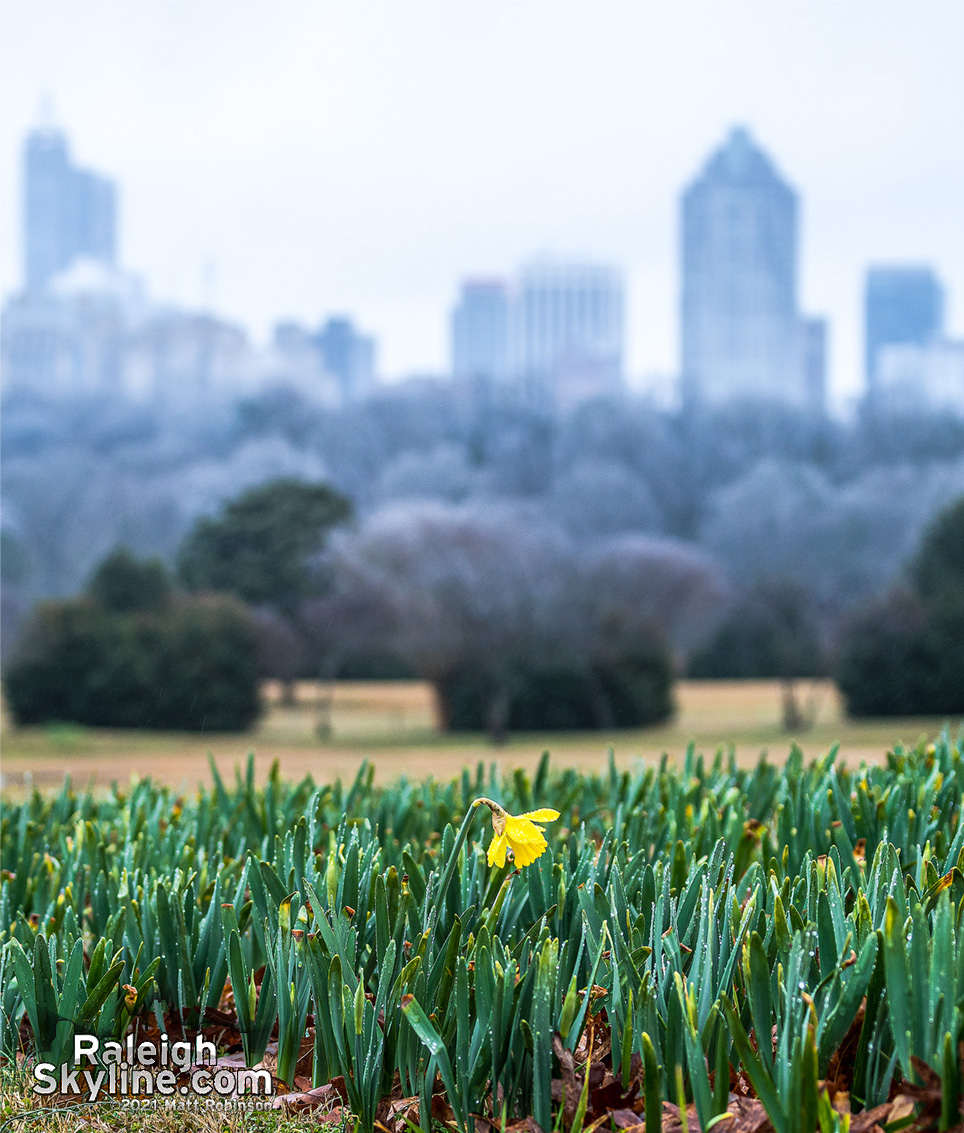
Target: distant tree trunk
point(601, 706)
point(498, 716)
point(442, 706)
point(795, 717)
point(792, 718)
point(325, 702)
point(289, 696)
point(323, 725)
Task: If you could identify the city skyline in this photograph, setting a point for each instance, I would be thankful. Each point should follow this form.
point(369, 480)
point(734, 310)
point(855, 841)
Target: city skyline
point(392, 233)
point(554, 331)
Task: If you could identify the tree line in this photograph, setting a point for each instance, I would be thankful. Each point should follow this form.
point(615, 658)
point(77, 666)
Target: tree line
point(518, 623)
point(769, 493)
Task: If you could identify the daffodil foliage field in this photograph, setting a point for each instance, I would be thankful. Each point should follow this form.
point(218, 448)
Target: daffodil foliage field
point(783, 944)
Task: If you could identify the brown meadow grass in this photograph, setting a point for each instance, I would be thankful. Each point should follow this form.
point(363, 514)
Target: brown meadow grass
point(331, 728)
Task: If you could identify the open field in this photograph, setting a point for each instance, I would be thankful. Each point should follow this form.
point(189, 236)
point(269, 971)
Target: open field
point(394, 724)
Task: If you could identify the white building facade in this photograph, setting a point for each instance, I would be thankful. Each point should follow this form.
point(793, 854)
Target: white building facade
point(568, 330)
point(554, 332)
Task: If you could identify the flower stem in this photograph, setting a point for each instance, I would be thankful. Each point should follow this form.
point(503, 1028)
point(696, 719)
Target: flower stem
point(439, 897)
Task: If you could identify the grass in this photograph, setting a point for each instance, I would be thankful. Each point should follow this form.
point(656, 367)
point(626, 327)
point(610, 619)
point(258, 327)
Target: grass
point(21, 1111)
point(704, 905)
point(395, 724)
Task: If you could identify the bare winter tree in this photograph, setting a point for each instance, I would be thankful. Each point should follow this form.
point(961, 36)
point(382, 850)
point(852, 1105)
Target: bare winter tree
point(442, 473)
point(635, 586)
point(482, 588)
point(281, 650)
point(600, 498)
point(356, 617)
point(494, 589)
point(784, 522)
point(66, 512)
point(768, 492)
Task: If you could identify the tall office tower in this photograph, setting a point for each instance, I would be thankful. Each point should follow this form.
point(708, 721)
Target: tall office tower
point(902, 306)
point(568, 331)
point(742, 334)
point(348, 356)
point(68, 212)
point(815, 362)
point(911, 376)
point(480, 332)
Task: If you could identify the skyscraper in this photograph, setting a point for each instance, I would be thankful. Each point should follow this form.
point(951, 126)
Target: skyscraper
point(568, 333)
point(480, 332)
point(902, 306)
point(742, 332)
point(929, 376)
point(68, 212)
point(815, 362)
point(349, 356)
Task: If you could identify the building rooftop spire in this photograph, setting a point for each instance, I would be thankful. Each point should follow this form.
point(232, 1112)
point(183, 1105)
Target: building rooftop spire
point(740, 161)
point(47, 119)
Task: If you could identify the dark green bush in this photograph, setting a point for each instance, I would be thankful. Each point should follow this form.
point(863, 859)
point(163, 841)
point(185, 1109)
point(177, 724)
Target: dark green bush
point(639, 688)
point(264, 545)
point(946, 623)
point(631, 692)
point(900, 657)
point(78, 663)
point(369, 665)
point(125, 584)
point(190, 667)
point(206, 667)
point(903, 655)
point(771, 632)
point(938, 567)
point(555, 700)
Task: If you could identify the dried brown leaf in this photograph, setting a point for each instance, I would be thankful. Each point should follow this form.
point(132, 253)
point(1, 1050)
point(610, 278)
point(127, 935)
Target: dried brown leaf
point(299, 1100)
point(569, 1088)
point(871, 1119)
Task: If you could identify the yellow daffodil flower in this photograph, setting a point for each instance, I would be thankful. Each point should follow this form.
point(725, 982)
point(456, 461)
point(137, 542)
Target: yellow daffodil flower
point(516, 832)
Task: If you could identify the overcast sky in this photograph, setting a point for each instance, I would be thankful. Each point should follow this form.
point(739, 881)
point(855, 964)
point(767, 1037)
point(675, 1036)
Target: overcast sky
point(362, 157)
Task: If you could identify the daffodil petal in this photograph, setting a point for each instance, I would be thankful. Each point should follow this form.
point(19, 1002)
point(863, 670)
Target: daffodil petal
point(544, 815)
point(520, 829)
point(497, 848)
point(525, 853)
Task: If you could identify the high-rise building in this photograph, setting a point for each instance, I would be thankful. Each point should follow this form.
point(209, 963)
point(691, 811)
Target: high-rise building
point(913, 376)
point(567, 337)
point(742, 331)
point(480, 332)
point(815, 362)
point(903, 305)
point(69, 213)
point(349, 356)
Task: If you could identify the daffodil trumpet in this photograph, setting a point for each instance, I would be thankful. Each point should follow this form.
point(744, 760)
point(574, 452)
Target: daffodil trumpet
point(516, 832)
